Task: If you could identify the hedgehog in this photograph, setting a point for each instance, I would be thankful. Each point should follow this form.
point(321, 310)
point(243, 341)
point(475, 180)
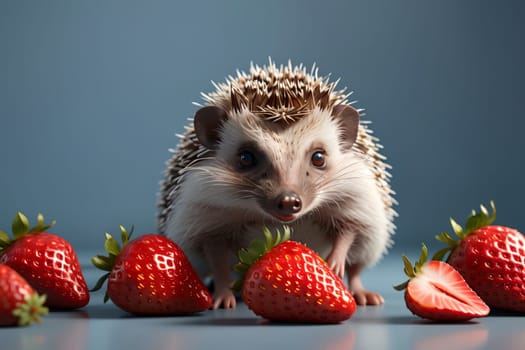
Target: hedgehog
point(279, 146)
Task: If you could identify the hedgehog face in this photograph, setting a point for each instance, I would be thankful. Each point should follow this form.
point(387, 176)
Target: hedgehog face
point(274, 143)
point(278, 170)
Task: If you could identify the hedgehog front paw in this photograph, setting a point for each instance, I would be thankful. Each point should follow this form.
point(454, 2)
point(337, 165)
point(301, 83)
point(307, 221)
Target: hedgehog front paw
point(366, 297)
point(337, 264)
point(224, 298)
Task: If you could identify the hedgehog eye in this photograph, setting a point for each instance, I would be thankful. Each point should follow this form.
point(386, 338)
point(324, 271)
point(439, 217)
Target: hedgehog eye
point(318, 159)
point(247, 159)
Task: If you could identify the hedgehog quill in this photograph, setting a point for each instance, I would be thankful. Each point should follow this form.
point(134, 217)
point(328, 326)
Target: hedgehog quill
point(279, 145)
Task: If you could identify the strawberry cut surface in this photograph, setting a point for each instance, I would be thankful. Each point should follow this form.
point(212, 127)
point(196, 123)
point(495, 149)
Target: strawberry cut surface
point(440, 293)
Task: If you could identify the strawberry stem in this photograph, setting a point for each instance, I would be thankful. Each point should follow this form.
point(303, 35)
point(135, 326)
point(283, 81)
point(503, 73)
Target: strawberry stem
point(4, 240)
point(106, 263)
point(20, 227)
point(124, 235)
point(111, 245)
point(256, 249)
point(31, 309)
point(413, 270)
point(41, 226)
point(474, 222)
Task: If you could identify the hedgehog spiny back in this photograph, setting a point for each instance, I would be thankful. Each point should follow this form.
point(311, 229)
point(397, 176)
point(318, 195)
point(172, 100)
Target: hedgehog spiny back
point(280, 95)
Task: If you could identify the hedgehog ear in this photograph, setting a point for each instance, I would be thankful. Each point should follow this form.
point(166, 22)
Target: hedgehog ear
point(348, 118)
point(207, 122)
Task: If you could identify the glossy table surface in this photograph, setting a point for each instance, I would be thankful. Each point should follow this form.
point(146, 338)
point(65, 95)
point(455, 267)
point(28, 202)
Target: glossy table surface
point(390, 326)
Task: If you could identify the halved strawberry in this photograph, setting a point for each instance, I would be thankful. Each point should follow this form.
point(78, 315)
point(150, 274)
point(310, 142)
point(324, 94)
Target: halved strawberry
point(283, 280)
point(436, 291)
point(47, 261)
point(150, 275)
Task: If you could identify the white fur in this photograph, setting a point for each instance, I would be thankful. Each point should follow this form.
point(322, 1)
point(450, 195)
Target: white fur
point(207, 209)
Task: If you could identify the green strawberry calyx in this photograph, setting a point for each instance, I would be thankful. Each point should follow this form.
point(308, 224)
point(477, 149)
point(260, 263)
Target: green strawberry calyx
point(413, 270)
point(474, 222)
point(21, 227)
point(256, 249)
point(31, 310)
point(106, 262)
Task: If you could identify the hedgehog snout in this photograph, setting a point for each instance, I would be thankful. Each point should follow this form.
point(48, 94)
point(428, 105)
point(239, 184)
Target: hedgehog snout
point(288, 203)
point(285, 206)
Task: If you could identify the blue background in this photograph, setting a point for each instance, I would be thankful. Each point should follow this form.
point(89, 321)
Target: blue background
point(92, 93)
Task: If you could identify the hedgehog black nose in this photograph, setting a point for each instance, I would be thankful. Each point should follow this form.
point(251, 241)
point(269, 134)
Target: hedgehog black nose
point(288, 203)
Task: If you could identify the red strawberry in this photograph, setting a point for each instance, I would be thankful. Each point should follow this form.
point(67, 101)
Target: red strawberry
point(47, 261)
point(490, 258)
point(436, 291)
point(20, 305)
point(151, 275)
point(286, 281)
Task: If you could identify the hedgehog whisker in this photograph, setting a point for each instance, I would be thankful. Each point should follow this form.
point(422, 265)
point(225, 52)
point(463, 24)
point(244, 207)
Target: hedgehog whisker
point(346, 173)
